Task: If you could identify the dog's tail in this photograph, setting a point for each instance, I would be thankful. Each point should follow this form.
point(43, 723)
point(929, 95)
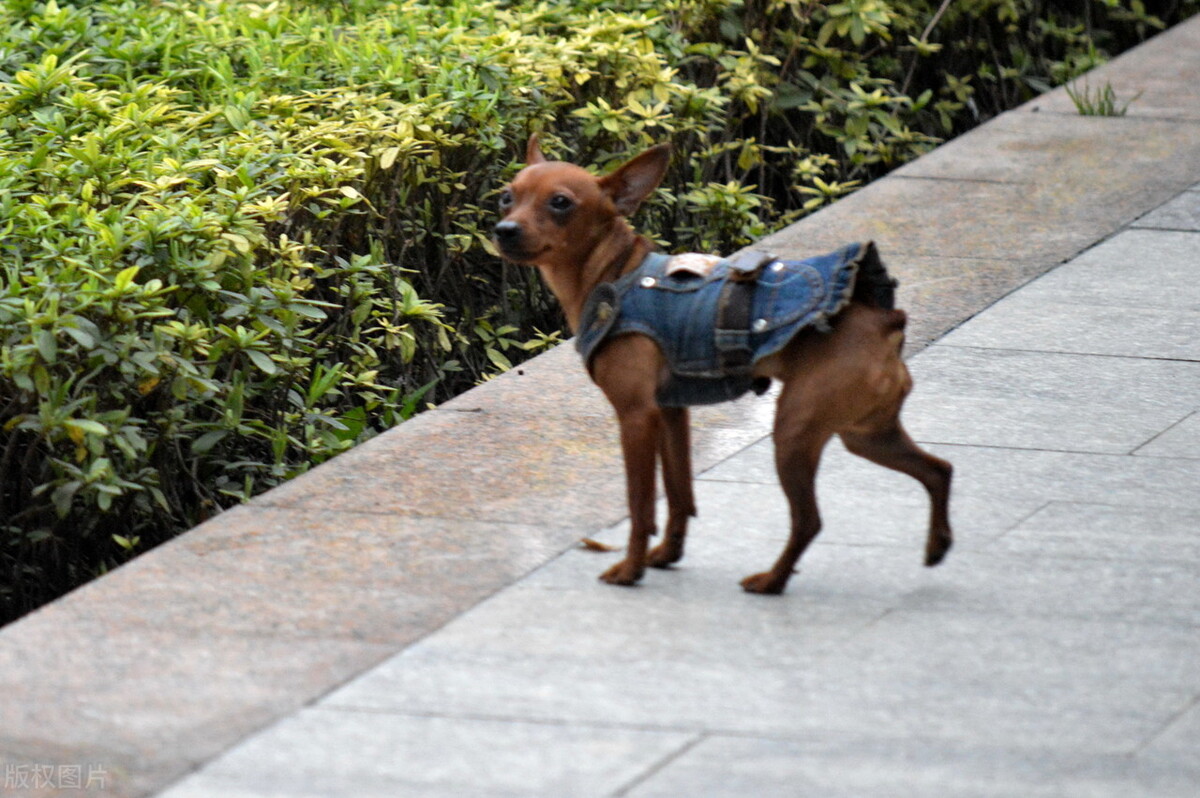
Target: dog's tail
point(873, 285)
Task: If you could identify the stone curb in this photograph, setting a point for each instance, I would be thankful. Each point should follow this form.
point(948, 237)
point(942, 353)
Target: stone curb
point(171, 659)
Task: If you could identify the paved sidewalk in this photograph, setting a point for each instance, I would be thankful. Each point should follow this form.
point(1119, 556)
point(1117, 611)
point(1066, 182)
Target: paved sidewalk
point(1055, 653)
point(414, 617)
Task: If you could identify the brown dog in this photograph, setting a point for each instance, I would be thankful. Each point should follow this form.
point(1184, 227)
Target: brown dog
point(843, 377)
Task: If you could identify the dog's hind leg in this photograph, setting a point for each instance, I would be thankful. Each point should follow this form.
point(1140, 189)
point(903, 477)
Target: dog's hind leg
point(891, 446)
point(674, 448)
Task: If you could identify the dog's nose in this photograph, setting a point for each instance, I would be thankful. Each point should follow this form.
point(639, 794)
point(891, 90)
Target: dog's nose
point(507, 231)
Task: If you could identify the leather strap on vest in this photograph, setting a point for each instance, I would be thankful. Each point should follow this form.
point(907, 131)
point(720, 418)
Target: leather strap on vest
point(734, 352)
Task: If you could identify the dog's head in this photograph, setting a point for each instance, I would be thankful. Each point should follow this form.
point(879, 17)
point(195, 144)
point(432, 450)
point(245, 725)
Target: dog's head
point(556, 213)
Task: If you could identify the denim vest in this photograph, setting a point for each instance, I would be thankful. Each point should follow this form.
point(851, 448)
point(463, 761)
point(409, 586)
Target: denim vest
point(714, 328)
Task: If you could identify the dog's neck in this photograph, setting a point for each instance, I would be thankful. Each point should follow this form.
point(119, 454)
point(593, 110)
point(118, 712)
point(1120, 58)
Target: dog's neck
point(613, 255)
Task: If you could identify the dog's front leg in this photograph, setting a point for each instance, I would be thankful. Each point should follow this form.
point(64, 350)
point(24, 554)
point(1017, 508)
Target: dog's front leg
point(640, 430)
point(675, 453)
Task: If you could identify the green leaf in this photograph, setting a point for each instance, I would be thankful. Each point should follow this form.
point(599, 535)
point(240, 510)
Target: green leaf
point(125, 278)
point(263, 361)
point(205, 443)
point(47, 346)
point(84, 339)
point(86, 425)
point(498, 359)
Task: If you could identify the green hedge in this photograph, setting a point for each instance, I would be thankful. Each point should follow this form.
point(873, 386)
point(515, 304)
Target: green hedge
point(237, 239)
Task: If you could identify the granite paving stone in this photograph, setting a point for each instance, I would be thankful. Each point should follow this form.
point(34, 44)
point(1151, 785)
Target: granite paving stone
point(998, 397)
point(1181, 213)
point(925, 218)
point(997, 473)
point(193, 692)
point(938, 293)
point(948, 674)
point(320, 752)
point(1140, 268)
point(352, 576)
point(1178, 739)
point(1108, 153)
point(1038, 323)
point(1105, 532)
point(851, 767)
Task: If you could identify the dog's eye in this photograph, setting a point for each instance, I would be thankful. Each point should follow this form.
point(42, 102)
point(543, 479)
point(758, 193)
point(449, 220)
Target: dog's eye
point(506, 199)
point(561, 203)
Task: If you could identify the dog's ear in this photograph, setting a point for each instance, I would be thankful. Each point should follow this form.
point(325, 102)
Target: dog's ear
point(634, 181)
point(533, 151)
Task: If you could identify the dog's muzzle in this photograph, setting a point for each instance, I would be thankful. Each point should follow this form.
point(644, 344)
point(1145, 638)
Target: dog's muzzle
point(508, 237)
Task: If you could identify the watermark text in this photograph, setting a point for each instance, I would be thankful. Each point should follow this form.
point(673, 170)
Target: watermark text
point(36, 776)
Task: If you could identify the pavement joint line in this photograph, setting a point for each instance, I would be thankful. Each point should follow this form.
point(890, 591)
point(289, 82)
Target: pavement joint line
point(982, 348)
point(1166, 726)
point(1160, 229)
point(928, 442)
point(990, 181)
point(705, 731)
point(1004, 533)
point(1146, 443)
point(481, 717)
point(998, 447)
point(657, 767)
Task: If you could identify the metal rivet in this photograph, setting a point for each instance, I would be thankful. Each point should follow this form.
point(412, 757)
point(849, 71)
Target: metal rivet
point(759, 325)
point(648, 282)
point(778, 267)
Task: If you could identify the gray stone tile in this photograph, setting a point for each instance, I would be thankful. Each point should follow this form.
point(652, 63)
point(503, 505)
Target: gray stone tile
point(1181, 213)
point(1132, 296)
point(940, 293)
point(1046, 401)
point(698, 615)
point(1043, 324)
point(1138, 268)
point(1180, 440)
point(1012, 375)
point(996, 676)
point(1002, 474)
point(1179, 738)
point(1035, 424)
point(1106, 532)
point(150, 703)
point(1104, 685)
point(840, 588)
point(289, 573)
point(833, 766)
point(911, 217)
point(320, 752)
point(1064, 154)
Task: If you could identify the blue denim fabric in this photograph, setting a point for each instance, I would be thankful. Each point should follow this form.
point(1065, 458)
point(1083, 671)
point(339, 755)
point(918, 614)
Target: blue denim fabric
point(680, 311)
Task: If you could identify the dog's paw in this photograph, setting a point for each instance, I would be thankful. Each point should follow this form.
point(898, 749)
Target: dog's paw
point(664, 555)
point(623, 573)
point(766, 584)
point(935, 550)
